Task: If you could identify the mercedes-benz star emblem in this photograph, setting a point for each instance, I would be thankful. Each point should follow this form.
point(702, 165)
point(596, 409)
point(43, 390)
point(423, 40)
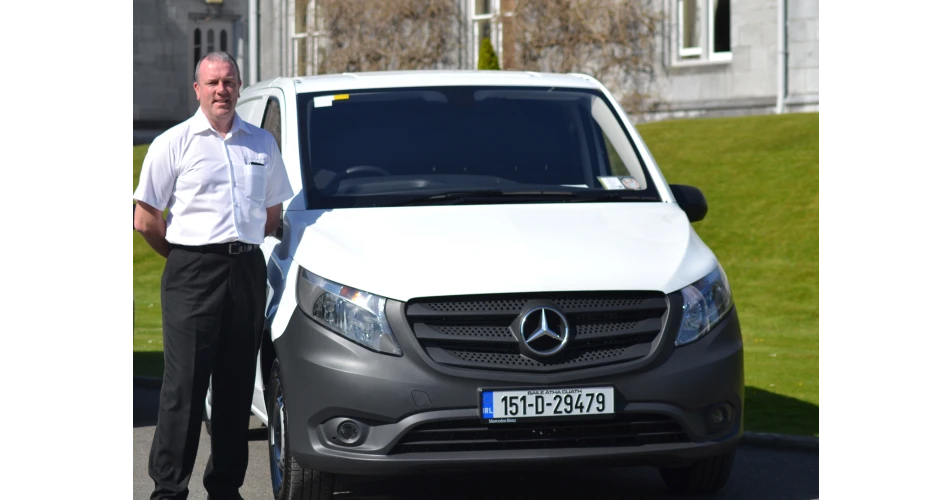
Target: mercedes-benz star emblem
point(544, 330)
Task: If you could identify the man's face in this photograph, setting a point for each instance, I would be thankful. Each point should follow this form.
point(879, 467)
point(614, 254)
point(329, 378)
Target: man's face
point(217, 89)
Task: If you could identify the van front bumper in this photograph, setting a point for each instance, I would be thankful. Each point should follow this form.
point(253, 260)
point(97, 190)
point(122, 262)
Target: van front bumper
point(414, 415)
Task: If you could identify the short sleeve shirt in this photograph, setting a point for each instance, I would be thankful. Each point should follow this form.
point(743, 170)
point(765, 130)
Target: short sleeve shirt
point(217, 189)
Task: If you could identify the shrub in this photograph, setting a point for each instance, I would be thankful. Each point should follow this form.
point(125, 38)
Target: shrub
point(487, 56)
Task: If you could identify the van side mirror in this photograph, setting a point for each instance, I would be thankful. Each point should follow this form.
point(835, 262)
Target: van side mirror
point(691, 200)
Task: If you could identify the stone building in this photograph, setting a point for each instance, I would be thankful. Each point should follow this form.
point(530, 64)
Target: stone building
point(720, 57)
point(711, 57)
point(168, 38)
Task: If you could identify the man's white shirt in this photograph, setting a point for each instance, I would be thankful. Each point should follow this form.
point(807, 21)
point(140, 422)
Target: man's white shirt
point(217, 189)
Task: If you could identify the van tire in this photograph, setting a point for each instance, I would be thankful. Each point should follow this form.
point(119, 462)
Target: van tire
point(289, 480)
point(704, 476)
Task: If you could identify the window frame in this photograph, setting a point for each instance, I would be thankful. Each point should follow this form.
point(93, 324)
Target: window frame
point(196, 46)
point(704, 53)
point(496, 18)
point(686, 52)
point(307, 39)
point(713, 55)
point(495, 28)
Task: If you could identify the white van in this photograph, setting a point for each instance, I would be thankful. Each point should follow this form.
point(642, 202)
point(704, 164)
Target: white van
point(485, 269)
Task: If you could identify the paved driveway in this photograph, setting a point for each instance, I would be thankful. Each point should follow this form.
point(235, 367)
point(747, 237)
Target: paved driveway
point(759, 473)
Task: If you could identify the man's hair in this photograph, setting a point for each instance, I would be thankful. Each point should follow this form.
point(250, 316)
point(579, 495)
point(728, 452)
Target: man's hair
point(218, 56)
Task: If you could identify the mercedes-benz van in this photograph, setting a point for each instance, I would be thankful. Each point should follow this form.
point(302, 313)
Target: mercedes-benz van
point(485, 269)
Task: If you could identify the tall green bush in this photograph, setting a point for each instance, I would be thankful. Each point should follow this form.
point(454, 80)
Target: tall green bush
point(487, 56)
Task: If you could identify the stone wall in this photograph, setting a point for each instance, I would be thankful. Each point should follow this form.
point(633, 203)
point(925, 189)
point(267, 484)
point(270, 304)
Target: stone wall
point(803, 55)
point(747, 83)
point(163, 53)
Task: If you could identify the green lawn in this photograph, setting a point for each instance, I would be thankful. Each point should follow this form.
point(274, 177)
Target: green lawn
point(146, 276)
point(760, 176)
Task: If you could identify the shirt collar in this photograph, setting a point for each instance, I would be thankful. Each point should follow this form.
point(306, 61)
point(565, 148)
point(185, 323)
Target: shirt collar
point(200, 124)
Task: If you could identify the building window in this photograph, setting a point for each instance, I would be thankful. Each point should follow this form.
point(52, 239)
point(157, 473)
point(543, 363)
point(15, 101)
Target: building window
point(197, 46)
point(720, 14)
point(491, 19)
point(224, 41)
point(703, 30)
point(309, 43)
point(211, 40)
point(689, 27)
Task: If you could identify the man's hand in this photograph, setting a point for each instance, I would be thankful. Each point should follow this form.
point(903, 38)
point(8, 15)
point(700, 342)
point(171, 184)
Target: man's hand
point(274, 218)
point(149, 223)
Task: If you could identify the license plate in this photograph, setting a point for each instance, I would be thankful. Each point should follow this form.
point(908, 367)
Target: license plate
point(512, 406)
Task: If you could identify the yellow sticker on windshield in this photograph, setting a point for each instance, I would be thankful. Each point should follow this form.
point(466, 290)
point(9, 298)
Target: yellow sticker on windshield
point(328, 100)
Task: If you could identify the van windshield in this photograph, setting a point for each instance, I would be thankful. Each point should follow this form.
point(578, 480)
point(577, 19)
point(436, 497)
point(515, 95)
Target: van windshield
point(465, 145)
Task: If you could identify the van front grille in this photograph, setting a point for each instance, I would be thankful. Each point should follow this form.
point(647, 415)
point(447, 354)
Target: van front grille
point(482, 332)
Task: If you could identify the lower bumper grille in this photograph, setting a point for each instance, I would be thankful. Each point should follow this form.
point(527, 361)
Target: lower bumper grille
point(471, 435)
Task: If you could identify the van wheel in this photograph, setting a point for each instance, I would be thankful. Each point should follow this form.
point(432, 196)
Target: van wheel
point(289, 480)
point(704, 476)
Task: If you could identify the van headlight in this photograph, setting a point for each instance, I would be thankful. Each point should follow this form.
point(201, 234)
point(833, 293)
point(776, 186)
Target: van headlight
point(351, 313)
point(706, 302)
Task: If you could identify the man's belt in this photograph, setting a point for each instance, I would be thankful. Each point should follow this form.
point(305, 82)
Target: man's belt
point(231, 248)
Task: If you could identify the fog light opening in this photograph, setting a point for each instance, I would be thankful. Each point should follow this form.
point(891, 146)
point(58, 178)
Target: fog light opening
point(348, 431)
point(719, 415)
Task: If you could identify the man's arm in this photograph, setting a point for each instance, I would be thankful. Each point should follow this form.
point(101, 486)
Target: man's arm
point(274, 218)
point(150, 224)
point(156, 185)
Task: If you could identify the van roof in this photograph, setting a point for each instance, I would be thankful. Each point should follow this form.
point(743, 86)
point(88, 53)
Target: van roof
point(424, 78)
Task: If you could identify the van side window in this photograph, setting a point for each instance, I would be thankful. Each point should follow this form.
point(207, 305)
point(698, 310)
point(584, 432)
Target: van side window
point(272, 120)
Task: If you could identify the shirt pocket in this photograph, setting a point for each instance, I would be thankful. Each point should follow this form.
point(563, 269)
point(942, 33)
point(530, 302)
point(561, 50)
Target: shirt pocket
point(255, 173)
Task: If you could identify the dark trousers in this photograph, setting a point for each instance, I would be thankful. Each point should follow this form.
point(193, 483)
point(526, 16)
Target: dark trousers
point(212, 318)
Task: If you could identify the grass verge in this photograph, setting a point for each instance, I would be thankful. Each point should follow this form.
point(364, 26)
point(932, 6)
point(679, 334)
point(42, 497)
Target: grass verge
point(761, 178)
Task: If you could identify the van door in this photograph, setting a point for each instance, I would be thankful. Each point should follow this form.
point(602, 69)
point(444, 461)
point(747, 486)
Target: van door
point(272, 113)
point(272, 120)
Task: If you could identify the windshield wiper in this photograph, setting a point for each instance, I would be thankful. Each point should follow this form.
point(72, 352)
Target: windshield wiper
point(450, 197)
point(485, 194)
point(618, 196)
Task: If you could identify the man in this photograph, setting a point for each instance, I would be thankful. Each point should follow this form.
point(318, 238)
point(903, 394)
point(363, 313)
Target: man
point(223, 181)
